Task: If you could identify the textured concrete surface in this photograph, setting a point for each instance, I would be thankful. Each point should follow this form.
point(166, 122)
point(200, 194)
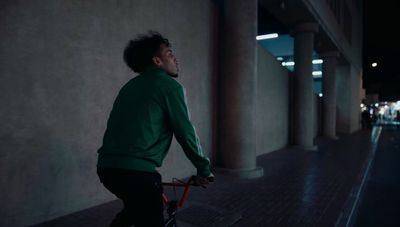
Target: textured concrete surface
point(238, 85)
point(60, 69)
point(272, 115)
point(303, 104)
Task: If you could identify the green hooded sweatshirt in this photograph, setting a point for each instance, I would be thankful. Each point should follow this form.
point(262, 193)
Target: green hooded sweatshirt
point(147, 112)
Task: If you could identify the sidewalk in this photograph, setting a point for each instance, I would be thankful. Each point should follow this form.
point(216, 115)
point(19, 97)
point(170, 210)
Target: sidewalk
point(299, 188)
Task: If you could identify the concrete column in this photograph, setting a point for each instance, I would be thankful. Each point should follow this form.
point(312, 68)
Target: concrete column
point(303, 116)
point(348, 99)
point(237, 131)
point(329, 94)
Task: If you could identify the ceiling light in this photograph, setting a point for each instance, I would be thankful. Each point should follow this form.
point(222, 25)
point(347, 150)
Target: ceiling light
point(288, 63)
point(267, 36)
point(317, 61)
point(317, 73)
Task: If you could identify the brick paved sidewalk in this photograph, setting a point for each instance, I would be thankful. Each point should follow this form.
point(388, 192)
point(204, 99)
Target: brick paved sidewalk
point(299, 188)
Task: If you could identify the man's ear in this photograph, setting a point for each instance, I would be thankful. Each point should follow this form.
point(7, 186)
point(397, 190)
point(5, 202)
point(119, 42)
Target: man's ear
point(157, 61)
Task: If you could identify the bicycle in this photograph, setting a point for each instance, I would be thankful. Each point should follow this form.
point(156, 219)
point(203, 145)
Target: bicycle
point(173, 205)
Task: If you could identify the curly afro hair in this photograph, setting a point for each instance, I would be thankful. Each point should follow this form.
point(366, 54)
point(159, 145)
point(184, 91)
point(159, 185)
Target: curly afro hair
point(139, 52)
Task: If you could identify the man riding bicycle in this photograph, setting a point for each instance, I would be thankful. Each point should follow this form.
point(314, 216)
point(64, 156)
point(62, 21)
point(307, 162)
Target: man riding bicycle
point(147, 112)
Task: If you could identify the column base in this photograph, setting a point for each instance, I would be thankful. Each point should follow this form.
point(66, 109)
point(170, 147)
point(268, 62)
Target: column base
point(242, 173)
point(332, 137)
point(307, 148)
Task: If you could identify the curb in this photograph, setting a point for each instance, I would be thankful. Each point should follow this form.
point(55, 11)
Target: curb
point(348, 214)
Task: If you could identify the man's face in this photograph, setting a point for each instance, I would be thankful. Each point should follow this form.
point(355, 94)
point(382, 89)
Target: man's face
point(166, 60)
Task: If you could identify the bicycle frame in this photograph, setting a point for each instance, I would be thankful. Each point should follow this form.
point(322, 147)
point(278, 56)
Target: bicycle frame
point(173, 205)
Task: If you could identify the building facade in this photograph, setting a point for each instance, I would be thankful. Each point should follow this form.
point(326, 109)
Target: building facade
point(61, 67)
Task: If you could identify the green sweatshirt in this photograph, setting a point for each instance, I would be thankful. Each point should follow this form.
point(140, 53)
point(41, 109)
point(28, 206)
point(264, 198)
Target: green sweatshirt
point(147, 112)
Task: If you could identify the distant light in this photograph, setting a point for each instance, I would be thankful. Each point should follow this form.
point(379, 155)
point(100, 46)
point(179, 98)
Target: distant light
point(267, 36)
point(376, 104)
point(317, 61)
point(374, 64)
point(361, 105)
point(279, 58)
point(317, 73)
point(320, 94)
point(291, 63)
point(288, 63)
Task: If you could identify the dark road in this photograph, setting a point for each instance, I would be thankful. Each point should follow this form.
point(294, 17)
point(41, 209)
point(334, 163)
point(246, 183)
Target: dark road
point(379, 204)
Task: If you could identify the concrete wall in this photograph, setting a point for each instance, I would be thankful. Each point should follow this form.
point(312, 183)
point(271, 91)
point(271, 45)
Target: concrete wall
point(60, 70)
point(343, 97)
point(317, 115)
point(272, 104)
point(356, 99)
point(348, 99)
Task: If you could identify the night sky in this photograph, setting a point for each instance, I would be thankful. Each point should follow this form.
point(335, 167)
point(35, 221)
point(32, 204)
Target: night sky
point(381, 45)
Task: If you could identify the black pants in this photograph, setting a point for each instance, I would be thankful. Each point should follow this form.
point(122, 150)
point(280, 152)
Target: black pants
point(141, 193)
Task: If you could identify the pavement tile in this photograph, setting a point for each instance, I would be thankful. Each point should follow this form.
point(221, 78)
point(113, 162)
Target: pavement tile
point(299, 188)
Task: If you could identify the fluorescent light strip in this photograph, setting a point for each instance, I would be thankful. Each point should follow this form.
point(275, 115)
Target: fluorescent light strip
point(267, 36)
point(317, 73)
point(291, 63)
point(317, 61)
point(288, 63)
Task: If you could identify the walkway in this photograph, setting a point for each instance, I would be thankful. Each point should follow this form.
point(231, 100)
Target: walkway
point(299, 188)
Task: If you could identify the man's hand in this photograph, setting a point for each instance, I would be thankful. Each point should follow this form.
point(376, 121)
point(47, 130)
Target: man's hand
point(203, 181)
point(210, 177)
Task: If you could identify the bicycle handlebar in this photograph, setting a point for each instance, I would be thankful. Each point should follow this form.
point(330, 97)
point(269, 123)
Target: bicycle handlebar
point(193, 181)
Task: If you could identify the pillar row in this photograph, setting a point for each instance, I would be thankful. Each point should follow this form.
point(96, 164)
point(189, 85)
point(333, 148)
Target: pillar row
point(237, 129)
point(329, 94)
point(303, 116)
